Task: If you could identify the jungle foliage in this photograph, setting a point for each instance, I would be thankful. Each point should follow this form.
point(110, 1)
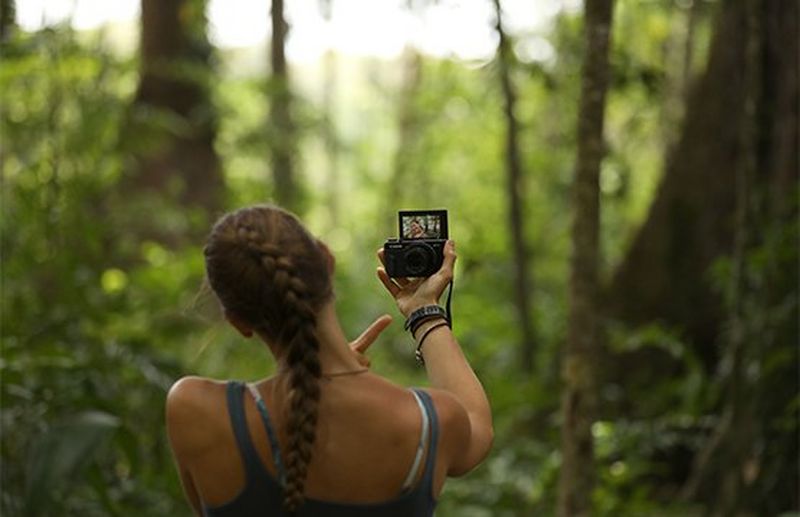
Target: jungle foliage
point(104, 303)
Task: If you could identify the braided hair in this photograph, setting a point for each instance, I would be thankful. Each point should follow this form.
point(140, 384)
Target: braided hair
point(268, 271)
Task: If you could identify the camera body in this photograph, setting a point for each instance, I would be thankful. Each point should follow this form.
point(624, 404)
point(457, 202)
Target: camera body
point(419, 252)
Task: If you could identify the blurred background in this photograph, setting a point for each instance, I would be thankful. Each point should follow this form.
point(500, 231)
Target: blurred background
point(627, 226)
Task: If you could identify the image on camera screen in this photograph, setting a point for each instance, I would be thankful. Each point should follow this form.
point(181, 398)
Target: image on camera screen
point(422, 225)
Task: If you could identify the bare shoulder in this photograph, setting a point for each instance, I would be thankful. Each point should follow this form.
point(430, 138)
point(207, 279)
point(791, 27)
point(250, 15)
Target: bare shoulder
point(190, 400)
point(454, 423)
point(192, 393)
point(448, 408)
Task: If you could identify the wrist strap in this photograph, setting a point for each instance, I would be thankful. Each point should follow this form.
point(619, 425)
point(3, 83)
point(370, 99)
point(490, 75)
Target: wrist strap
point(418, 353)
point(447, 304)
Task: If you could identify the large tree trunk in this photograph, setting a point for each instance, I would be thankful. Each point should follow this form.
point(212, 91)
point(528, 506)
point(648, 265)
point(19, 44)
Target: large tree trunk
point(730, 182)
point(584, 334)
point(515, 189)
point(665, 274)
point(727, 472)
point(282, 137)
point(175, 71)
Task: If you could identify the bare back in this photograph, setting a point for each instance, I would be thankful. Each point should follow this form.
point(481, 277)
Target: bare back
point(368, 432)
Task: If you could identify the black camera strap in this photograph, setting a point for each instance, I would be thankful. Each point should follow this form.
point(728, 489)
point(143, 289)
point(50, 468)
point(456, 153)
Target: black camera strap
point(447, 304)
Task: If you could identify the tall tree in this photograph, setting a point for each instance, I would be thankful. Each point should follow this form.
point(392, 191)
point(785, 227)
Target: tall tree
point(8, 11)
point(584, 333)
point(515, 190)
point(664, 275)
point(330, 138)
point(175, 64)
point(730, 190)
point(408, 126)
point(282, 133)
point(761, 43)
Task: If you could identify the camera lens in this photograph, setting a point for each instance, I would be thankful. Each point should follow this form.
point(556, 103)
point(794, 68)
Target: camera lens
point(418, 260)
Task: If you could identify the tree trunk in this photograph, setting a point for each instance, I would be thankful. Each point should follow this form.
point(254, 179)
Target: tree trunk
point(731, 181)
point(584, 333)
point(728, 467)
point(680, 75)
point(8, 16)
point(408, 128)
point(330, 138)
point(515, 186)
point(282, 131)
point(175, 70)
point(665, 274)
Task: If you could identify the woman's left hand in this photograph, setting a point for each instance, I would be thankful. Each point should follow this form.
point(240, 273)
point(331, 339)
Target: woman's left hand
point(360, 344)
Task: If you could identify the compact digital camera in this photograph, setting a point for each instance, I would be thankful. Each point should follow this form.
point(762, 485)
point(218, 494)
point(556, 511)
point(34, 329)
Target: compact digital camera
point(419, 252)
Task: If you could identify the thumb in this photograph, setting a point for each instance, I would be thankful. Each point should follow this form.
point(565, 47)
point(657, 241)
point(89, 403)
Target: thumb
point(362, 342)
point(445, 273)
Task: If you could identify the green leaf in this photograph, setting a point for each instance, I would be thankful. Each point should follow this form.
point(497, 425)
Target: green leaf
point(59, 456)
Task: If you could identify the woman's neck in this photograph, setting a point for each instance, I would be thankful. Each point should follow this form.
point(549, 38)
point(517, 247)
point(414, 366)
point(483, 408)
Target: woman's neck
point(335, 354)
point(334, 347)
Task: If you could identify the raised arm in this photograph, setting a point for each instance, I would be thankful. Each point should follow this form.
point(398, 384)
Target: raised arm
point(446, 365)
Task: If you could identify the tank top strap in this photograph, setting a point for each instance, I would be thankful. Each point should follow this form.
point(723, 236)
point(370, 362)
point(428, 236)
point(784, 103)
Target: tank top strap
point(433, 436)
point(248, 452)
point(421, 445)
point(271, 435)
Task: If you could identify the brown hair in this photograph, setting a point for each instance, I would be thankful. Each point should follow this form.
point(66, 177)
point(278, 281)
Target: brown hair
point(270, 272)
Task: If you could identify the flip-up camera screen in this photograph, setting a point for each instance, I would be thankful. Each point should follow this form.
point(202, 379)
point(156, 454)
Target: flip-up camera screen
point(431, 224)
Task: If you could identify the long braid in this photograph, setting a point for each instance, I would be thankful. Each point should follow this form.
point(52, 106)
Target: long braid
point(304, 374)
point(267, 269)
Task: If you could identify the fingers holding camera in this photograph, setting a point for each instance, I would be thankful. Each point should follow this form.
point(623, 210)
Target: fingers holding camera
point(441, 278)
point(401, 282)
point(393, 288)
point(449, 261)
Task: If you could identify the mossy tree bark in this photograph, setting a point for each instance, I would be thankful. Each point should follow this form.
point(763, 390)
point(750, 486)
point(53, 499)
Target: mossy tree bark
point(281, 128)
point(515, 191)
point(730, 186)
point(176, 156)
point(584, 333)
point(664, 275)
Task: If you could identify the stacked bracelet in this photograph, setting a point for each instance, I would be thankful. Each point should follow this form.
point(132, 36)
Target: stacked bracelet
point(428, 313)
point(423, 314)
point(418, 352)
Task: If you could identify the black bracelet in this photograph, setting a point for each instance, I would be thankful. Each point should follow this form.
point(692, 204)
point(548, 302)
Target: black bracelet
point(418, 353)
point(424, 313)
point(423, 321)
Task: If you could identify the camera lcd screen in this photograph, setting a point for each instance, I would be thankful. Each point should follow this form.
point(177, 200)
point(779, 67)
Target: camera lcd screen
point(430, 224)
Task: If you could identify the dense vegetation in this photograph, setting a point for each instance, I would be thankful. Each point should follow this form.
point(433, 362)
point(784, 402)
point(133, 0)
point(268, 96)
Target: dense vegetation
point(104, 303)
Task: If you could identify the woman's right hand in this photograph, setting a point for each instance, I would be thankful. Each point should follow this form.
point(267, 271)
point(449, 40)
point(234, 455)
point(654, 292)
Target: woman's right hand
point(413, 293)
